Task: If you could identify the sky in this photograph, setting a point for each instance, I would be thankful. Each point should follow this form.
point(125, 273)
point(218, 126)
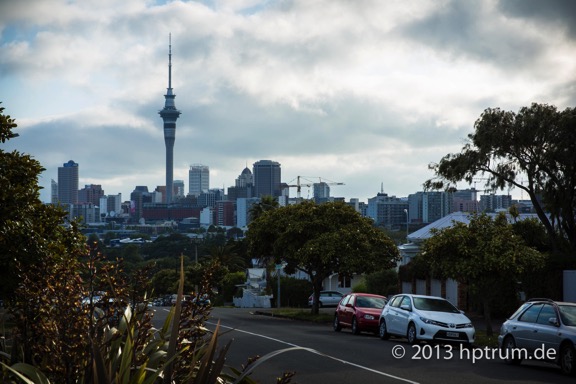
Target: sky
point(367, 92)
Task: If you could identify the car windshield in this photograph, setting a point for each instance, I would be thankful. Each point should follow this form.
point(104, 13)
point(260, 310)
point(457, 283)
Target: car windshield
point(370, 302)
point(568, 314)
point(435, 305)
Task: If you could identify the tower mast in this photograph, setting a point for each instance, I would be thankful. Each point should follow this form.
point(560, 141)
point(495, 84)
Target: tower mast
point(169, 115)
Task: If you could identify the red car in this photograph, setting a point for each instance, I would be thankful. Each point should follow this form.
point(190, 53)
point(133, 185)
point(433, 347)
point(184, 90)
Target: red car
point(360, 312)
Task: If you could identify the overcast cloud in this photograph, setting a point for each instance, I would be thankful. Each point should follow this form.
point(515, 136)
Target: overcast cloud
point(365, 92)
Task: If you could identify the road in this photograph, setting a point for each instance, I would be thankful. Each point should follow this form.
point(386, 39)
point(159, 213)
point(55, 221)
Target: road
point(338, 358)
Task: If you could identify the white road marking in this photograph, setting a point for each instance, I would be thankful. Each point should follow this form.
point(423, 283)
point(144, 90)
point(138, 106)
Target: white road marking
point(319, 353)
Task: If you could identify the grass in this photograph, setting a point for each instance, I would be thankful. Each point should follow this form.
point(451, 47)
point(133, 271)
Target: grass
point(484, 341)
point(302, 314)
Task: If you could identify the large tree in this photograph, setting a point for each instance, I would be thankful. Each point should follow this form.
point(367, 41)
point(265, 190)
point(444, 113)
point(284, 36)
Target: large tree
point(486, 255)
point(29, 229)
point(533, 150)
point(321, 239)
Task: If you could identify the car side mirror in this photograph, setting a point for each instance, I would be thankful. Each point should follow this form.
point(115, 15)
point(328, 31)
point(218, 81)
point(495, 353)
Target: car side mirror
point(553, 321)
point(349, 305)
point(406, 307)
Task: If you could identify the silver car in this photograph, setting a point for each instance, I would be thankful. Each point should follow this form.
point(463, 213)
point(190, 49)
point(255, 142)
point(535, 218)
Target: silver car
point(541, 329)
point(327, 298)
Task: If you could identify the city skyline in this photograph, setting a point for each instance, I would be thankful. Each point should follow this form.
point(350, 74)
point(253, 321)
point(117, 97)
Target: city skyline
point(364, 93)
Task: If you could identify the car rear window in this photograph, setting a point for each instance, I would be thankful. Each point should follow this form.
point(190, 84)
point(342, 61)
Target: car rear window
point(370, 302)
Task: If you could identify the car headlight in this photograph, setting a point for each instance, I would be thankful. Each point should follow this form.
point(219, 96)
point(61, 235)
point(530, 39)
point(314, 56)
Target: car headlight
point(369, 317)
point(433, 322)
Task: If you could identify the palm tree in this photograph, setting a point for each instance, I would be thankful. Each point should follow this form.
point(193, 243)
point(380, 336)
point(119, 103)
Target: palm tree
point(266, 203)
point(227, 257)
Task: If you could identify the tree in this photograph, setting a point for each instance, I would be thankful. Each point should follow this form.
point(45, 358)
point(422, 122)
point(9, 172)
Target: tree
point(265, 204)
point(29, 230)
point(226, 256)
point(487, 255)
point(533, 150)
point(321, 239)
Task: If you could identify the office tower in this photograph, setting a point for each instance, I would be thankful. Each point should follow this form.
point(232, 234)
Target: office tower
point(178, 189)
point(139, 196)
point(267, 177)
point(244, 186)
point(321, 190)
point(198, 179)
point(54, 192)
point(68, 183)
point(91, 194)
point(169, 115)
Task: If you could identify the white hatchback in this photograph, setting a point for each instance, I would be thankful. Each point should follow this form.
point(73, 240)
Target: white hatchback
point(425, 318)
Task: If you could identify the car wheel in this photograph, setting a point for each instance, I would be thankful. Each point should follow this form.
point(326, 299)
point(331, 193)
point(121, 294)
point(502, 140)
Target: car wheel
point(320, 304)
point(337, 325)
point(411, 334)
point(510, 352)
point(567, 363)
point(383, 331)
point(355, 329)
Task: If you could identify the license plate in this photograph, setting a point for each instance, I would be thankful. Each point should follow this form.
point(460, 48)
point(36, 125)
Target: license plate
point(453, 334)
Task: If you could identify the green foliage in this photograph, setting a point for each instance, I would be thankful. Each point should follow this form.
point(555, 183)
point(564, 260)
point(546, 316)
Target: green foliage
point(486, 255)
point(533, 150)
point(320, 239)
point(294, 292)
point(360, 286)
point(78, 317)
point(229, 285)
point(29, 230)
point(265, 204)
point(172, 246)
point(383, 282)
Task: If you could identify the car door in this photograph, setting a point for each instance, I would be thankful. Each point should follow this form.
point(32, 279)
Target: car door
point(388, 311)
point(342, 311)
point(523, 329)
point(349, 310)
point(546, 334)
point(392, 315)
point(403, 315)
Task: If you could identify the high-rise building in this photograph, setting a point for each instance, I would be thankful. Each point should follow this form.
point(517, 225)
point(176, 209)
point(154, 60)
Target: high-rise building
point(54, 192)
point(68, 183)
point(267, 176)
point(198, 179)
point(91, 193)
point(169, 115)
point(244, 186)
point(178, 189)
point(493, 202)
point(387, 211)
point(429, 206)
point(321, 190)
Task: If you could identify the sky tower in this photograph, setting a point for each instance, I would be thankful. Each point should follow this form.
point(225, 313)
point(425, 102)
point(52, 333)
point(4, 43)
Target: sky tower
point(169, 115)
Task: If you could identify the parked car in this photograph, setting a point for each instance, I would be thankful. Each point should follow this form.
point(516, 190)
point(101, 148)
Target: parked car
point(327, 298)
point(359, 311)
point(420, 317)
point(541, 329)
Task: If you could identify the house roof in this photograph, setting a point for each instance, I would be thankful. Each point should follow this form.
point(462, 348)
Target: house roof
point(448, 221)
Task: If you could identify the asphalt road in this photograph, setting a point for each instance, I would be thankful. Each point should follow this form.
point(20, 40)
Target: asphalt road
point(318, 355)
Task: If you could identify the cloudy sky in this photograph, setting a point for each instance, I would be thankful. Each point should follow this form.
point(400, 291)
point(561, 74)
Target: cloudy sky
point(364, 92)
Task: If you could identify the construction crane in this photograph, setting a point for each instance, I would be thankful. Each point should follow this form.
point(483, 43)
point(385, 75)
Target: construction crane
point(299, 185)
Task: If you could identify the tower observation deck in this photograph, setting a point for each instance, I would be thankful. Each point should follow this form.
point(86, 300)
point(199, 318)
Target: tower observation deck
point(169, 115)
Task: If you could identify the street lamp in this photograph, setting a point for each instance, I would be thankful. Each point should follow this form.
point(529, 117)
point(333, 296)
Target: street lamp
point(406, 212)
